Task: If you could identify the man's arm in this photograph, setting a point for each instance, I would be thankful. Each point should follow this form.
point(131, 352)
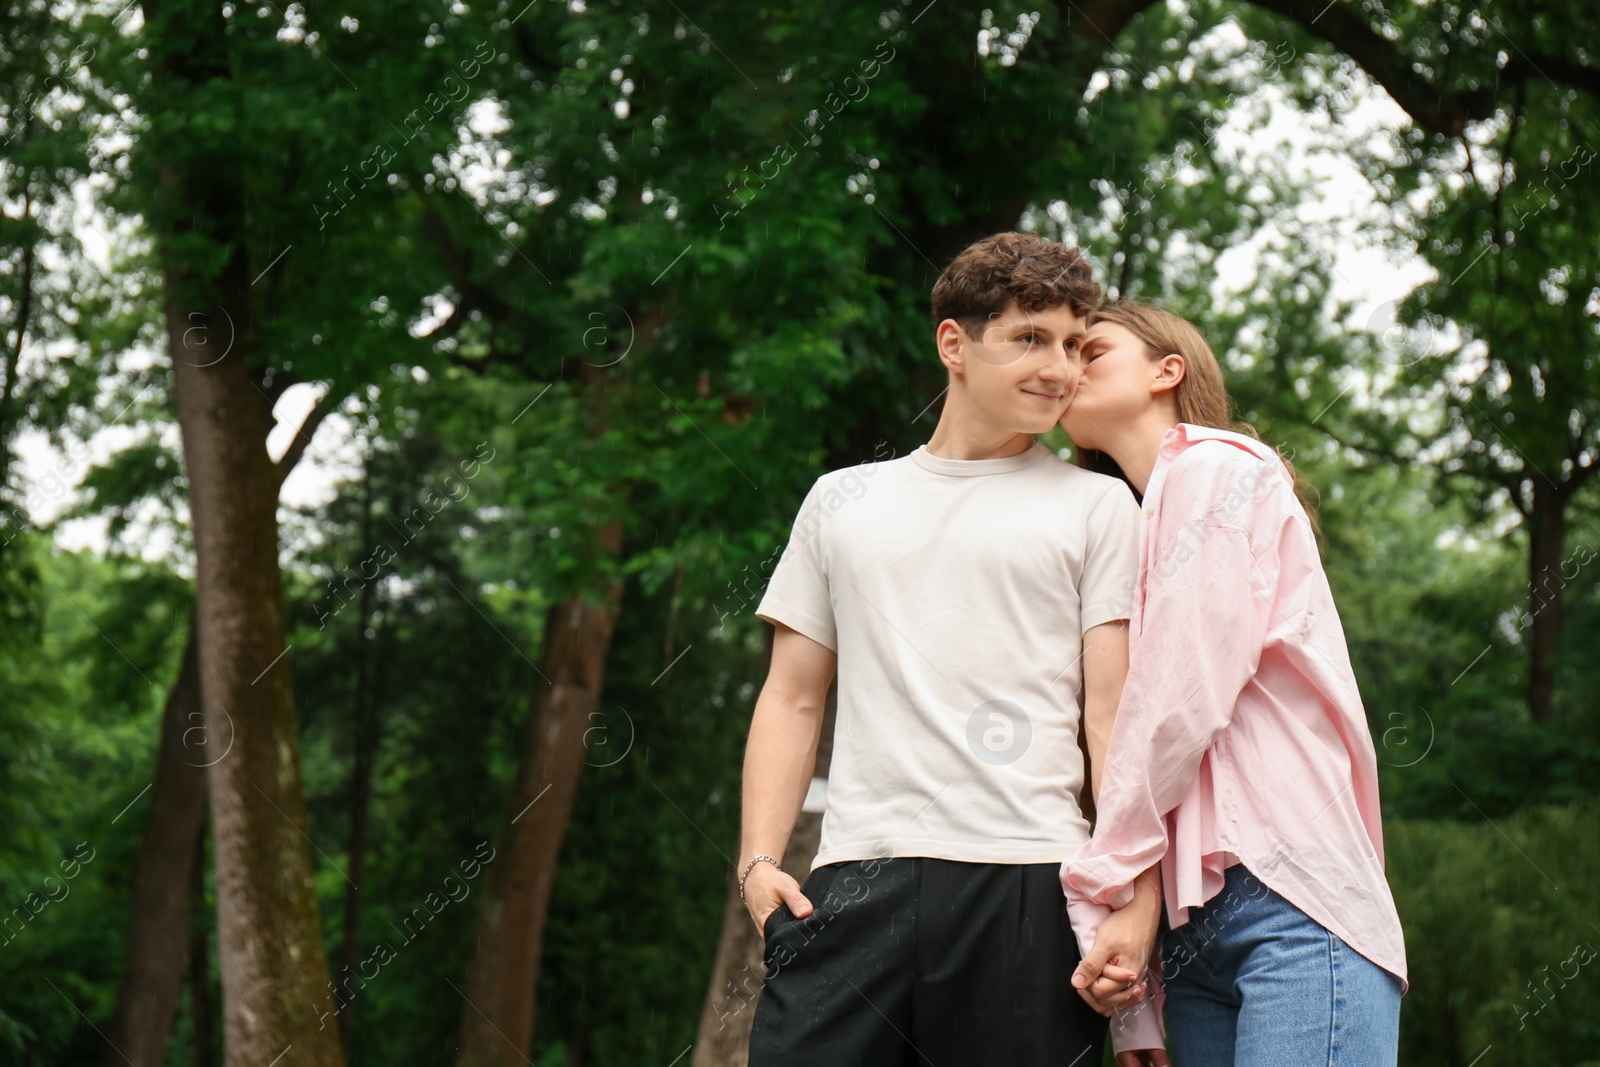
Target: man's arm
point(1105, 667)
point(779, 758)
point(1121, 945)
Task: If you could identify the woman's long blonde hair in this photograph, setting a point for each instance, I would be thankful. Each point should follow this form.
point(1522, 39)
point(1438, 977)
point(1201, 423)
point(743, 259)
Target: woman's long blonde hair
point(1202, 397)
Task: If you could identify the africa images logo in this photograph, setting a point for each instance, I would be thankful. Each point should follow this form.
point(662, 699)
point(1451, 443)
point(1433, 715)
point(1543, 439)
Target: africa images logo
point(999, 732)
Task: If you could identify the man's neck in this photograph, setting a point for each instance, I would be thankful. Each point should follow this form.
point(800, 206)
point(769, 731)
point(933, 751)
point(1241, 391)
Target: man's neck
point(960, 439)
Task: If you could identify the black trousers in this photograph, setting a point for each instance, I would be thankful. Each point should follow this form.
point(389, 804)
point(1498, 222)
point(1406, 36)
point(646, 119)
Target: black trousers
point(925, 963)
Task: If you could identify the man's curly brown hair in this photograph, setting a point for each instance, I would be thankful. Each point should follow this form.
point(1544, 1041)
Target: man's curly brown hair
point(990, 273)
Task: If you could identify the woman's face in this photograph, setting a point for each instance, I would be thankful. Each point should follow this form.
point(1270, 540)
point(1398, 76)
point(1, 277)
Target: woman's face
point(1114, 386)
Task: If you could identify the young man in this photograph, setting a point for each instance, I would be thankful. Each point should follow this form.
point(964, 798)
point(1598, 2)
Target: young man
point(968, 594)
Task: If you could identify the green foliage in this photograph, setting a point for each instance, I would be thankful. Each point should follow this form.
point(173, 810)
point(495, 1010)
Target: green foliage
point(80, 723)
point(1507, 976)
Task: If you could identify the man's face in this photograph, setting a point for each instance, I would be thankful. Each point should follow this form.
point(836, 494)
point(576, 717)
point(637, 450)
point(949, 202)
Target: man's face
point(1022, 370)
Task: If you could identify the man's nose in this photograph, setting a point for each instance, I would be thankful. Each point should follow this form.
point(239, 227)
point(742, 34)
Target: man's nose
point(1065, 369)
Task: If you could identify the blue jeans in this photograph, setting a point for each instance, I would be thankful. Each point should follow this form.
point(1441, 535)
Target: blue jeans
point(1252, 980)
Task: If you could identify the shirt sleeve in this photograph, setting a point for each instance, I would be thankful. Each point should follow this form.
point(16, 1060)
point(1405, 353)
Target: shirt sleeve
point(1141, 1026)
point(1110, 558)
point(798, 595)
point(1207, 610)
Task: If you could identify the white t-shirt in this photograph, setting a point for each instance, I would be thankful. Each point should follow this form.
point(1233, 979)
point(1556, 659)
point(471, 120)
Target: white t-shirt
point(956, 594)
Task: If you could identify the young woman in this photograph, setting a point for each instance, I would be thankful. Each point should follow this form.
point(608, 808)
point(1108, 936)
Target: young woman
point(1240, 761)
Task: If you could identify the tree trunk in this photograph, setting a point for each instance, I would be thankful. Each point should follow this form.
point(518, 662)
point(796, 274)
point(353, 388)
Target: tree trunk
point(274, 968)
point(159, 909)
point(365, 716)
point(10, 390)
point(1547, 541)
point(737, 975)
point(201, 1012)
point(497, 1022)
point(269, 937)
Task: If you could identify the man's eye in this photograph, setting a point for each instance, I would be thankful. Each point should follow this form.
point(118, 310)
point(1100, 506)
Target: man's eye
point(1028, 337)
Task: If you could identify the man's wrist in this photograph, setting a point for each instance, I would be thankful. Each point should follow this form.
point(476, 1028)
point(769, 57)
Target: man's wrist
point(751, 865)
point(745, 858)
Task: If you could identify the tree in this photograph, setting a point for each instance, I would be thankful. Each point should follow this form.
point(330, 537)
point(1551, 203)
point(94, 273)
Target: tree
point(215, 224)
point(158, 942)
point(1524, 428)
point(1505, 335)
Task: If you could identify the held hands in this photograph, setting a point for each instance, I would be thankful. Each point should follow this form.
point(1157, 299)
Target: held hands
point(1112, 976)
point(765, 888)
point(1115, 975)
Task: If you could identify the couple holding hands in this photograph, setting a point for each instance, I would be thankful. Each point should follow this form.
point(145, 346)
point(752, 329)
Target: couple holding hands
point(986, 604)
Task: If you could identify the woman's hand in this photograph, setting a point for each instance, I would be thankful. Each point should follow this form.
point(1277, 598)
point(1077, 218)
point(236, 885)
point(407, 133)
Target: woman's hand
point(1111, 977)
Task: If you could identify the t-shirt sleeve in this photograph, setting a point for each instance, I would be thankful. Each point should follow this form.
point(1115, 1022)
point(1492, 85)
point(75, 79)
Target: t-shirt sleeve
point(1110, 558)
point(798, 594)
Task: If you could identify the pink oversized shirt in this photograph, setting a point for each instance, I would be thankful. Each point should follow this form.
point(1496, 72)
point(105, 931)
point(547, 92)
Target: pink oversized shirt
point(1240, 735)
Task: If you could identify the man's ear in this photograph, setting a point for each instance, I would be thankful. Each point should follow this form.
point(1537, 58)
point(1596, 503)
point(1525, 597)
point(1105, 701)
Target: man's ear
point(947, 337)
point(1170, 370)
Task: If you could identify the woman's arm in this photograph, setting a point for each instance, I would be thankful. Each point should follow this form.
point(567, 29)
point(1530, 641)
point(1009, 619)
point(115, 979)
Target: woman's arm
point(1208, 606)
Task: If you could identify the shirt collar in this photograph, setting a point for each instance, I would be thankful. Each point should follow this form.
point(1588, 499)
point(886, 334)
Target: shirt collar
point(1185, 434)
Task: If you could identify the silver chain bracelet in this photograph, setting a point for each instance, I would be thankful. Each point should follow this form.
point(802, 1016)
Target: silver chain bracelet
point(746, 874)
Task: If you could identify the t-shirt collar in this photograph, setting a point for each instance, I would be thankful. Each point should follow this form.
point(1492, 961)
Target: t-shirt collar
point(967, 467)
